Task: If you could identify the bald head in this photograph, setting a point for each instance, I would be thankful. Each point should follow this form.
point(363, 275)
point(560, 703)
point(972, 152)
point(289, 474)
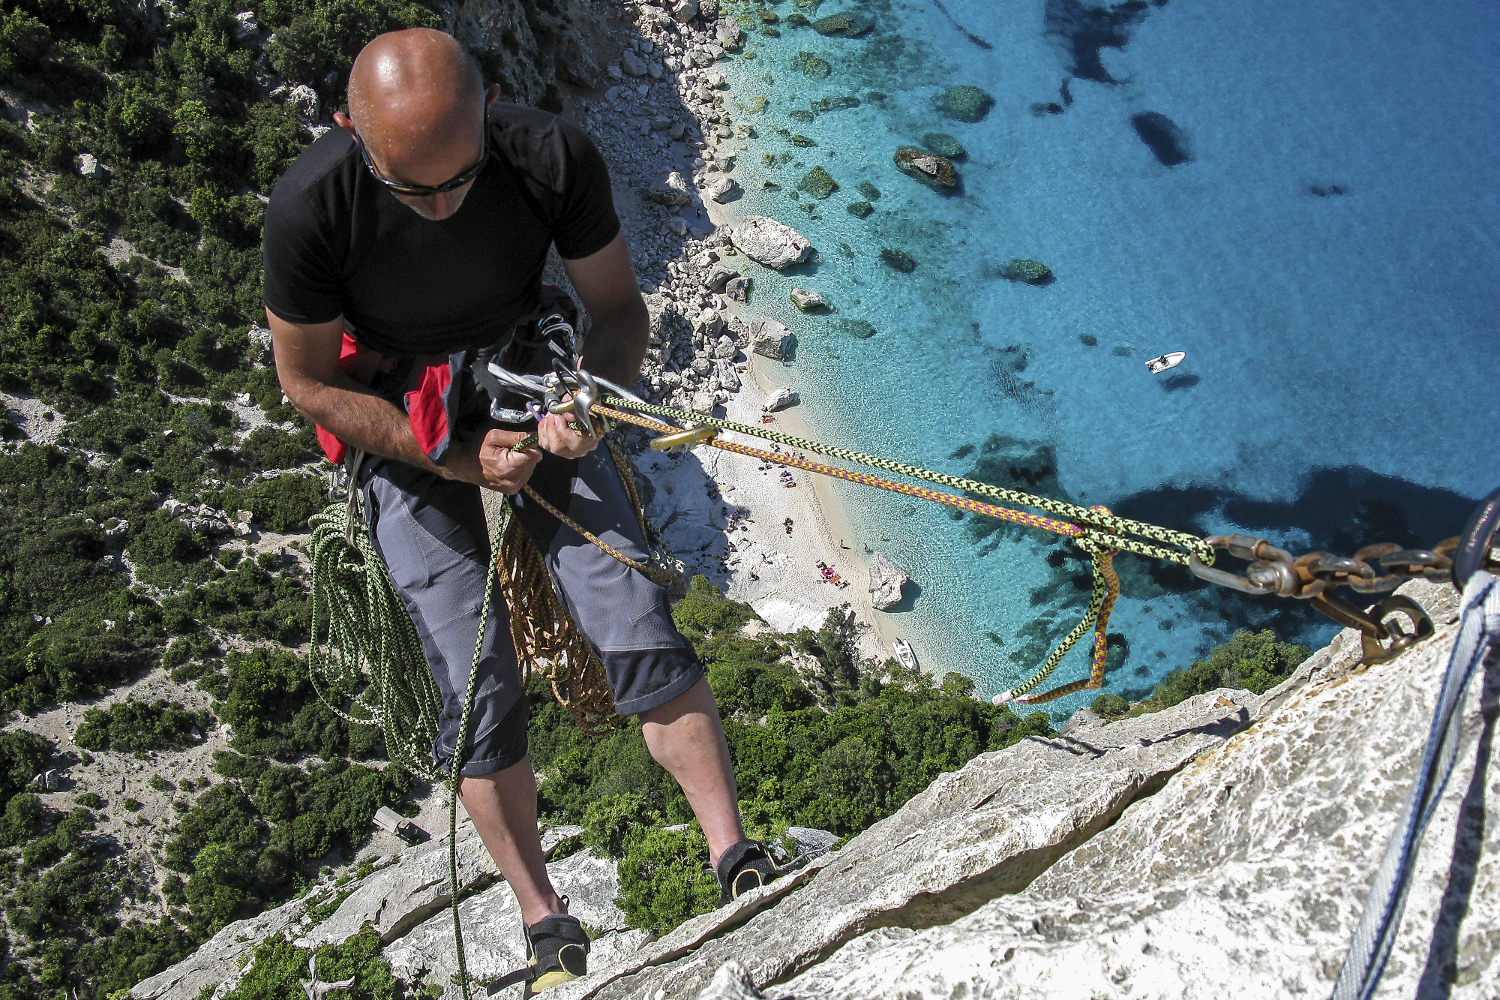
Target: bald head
point(410, 89)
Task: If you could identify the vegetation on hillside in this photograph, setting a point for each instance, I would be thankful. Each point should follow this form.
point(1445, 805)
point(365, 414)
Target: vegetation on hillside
point(1252, 661)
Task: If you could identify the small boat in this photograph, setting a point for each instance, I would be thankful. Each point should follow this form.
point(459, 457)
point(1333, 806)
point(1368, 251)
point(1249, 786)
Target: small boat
point(1161, 364)
point(904, 655)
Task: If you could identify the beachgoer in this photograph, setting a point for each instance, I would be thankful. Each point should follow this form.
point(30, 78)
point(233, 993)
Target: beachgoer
point(419, 227)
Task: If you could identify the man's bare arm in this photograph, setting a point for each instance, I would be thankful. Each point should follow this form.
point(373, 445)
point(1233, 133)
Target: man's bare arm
point(307, 362)
point(621, 330)
point(618, 337)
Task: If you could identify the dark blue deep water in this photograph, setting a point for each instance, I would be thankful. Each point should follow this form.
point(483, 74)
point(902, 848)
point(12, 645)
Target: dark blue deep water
point(1301, 197)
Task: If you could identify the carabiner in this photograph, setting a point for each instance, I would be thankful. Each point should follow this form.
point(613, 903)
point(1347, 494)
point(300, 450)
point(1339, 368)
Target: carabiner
point(1473, 552)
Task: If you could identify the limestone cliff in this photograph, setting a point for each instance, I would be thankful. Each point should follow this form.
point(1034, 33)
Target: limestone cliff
point(1222, 846)
point(529, 45)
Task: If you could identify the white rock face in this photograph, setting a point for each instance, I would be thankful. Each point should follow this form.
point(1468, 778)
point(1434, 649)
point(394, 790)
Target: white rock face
point(886, 581)
point(770, 242)
point(672, 191)
point(89, 167)
point(304, 100)
point(246, 30)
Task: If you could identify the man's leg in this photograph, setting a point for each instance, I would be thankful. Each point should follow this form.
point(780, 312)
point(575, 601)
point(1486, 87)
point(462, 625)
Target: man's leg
point(686, 737)
point(432, 535)
point(652, 668)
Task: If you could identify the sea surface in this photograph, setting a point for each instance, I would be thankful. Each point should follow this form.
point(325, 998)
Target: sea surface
point(1317, 226)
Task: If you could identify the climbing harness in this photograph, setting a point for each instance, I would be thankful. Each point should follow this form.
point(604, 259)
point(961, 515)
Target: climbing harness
point(1478, 643)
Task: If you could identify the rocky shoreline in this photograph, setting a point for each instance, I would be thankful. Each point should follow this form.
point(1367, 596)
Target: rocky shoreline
point(662, 124)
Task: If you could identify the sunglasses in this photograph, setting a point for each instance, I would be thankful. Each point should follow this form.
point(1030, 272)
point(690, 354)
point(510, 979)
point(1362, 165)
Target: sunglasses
point(423, 190)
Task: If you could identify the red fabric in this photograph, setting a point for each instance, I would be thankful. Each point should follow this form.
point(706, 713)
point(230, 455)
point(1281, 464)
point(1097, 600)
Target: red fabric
point(425, 406)
point(359, 363)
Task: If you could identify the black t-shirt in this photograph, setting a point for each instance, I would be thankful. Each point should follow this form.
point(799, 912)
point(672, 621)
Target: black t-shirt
point(337, 243)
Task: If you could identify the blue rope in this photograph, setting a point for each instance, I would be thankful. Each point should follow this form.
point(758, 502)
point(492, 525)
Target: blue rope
point(1478, 636)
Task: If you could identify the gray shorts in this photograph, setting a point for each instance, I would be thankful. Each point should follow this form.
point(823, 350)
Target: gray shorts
point(434, 538)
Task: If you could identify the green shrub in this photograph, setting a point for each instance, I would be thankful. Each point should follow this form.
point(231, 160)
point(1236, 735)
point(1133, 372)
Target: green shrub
point(279, 968)
point(131, 805)
point(90, 800)
point(607, 822)
point(665, 879)
point(1255, 661)
point(159, 783)
point(128, 726)
point(22, 756)
point(1110, 706)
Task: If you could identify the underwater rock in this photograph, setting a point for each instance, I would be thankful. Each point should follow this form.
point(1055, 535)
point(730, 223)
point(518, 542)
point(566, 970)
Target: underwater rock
point(929, 168)
point(756, 105)
point(802, 141)
point(1088, 340)
point(845, 25)
point(944, 144)
point(823, 105)
point(797, 21)
point(808, 301)
point(770, 242)
point(854, 328)
point(817, 183)
point(898, 260)
point(1166, 140)
point(860, 209)
point(799, 115)
point(965, 102)
point(813, 67)
point(869, 190)
point(1030, 271)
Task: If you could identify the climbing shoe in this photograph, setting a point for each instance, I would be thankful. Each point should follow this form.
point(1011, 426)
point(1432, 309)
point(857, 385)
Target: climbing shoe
point(557, 950)
point(745, 866)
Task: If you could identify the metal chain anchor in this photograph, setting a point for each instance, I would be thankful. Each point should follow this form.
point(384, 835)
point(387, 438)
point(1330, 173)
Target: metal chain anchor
point(1311, 577)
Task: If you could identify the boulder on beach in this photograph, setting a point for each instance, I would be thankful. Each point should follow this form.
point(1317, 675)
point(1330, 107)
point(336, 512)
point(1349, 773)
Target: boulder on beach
point(931, 169)
point(944, 144)
point(808, 301)
point(721, 189)
point(965, 102)
point(817, 183)
point(781, 399)
point(844, 25)
point(898, 260)
point(727, 32)
point(770, 242)
point(738, 288)
point(886, 581)
point(671, 192)
point(719, 277)
point(1032, 272)
point(767, 336)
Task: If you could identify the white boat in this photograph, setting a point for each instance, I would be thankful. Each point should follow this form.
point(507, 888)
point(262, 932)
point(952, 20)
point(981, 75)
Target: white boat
point(1161, 364)
point(904, 655)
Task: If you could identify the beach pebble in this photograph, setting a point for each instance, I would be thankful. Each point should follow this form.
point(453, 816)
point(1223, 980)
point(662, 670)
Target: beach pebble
point(715, 80)
point(677, 131)
point(684, 11)
point(728, 378)
point(726, 348)
point(808, 301)
point(770, 242)
point(738, 288)
point(632, 64)
point(719, 277)
point(727, 31)
point(678, 225)
point(704, 402)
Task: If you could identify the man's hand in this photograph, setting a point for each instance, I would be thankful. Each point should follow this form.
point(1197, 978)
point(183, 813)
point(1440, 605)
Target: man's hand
point(560, 439)
point(492, 463)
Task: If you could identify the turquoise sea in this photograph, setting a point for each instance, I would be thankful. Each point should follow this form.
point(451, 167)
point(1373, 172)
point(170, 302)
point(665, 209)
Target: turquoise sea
point(1326, 252)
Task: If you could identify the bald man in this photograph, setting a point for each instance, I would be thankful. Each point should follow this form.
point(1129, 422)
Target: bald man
point(414, 232)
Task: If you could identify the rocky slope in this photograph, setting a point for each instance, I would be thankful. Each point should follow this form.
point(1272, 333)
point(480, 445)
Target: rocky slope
point(1228, 840)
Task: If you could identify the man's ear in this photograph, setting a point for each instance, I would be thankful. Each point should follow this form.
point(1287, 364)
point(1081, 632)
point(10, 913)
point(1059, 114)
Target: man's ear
point(491, 94)
point(342, 121)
